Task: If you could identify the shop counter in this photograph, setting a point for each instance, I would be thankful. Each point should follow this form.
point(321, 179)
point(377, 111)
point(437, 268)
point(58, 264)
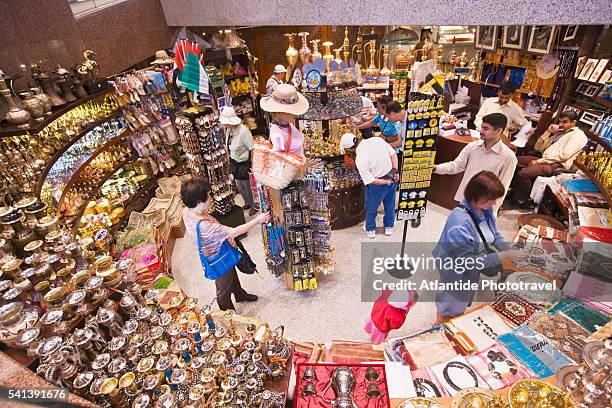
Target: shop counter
point(346, 206)
point(444, 187)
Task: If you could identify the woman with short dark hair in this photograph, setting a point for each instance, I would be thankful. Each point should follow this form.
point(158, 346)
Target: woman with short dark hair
point(470, 232)
point(195, 194)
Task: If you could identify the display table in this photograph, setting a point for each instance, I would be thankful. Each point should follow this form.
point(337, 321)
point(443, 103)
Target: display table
point(444, 187)
point(447, 401)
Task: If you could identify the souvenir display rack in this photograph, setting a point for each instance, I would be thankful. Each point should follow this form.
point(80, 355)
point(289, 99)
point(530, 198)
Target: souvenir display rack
point(345, 191)
point(202, 139)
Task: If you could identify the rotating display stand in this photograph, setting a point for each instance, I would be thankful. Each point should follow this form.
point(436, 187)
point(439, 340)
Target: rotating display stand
point(335, 103)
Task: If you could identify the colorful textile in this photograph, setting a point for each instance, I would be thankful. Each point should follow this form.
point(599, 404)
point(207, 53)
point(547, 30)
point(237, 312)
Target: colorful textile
point(514, 308)
point(589, 319)
point(481, 325)
point(534, 351)
point(498, 367)
point(567, 337)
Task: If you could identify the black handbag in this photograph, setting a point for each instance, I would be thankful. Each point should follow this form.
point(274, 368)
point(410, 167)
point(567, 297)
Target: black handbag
point(245, 264)
point(492, 271)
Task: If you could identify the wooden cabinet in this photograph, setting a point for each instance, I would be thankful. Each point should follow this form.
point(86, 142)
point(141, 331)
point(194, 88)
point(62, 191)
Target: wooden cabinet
point(346, 207)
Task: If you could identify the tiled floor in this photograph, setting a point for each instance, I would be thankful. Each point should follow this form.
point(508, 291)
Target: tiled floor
point(335, 310)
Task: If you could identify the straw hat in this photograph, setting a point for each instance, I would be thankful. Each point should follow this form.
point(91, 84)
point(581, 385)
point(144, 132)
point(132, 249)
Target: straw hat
point(162, 58)
point(280, 69)
point(548, 66)
point(285, 99)
point(228, 116)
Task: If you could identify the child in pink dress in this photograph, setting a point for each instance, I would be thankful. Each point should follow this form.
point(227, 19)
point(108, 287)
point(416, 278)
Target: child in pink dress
point(389, 313)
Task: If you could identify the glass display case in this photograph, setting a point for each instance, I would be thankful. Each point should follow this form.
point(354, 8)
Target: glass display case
point(75, 156)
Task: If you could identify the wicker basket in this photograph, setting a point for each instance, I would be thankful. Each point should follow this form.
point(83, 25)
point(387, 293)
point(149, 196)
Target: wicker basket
point(275, 169)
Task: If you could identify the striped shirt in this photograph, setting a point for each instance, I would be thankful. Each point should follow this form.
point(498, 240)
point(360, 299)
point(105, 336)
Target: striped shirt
point(212, 234)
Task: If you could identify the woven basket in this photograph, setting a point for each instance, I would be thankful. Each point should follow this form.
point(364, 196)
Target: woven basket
point(275, 169)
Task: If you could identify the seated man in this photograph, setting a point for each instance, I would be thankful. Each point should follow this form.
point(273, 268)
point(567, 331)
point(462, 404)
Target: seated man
point(503, 104)
point(563, 148)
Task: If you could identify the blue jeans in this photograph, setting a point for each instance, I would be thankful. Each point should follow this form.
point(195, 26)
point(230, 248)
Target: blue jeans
point(374, 195)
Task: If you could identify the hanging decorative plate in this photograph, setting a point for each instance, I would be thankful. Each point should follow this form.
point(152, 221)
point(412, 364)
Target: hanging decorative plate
point(313, 79)
point(307, 68)
point(320, 65)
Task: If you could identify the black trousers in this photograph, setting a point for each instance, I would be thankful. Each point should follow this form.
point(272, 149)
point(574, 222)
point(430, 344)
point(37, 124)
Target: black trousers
point(226, 285)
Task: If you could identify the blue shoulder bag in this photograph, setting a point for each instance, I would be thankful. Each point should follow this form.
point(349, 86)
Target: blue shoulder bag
point(218, 264)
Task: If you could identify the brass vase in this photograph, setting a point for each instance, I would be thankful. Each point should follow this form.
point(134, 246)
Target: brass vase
point(15, 115)
point(345, 46)
point(48, 87)
point(43, 98)
point(65, 86)
point(33, 105)
point(291, 53)
point(78, 88)
point(315, 50)
point(328, 57)
point(305, 53)
point(385, 71)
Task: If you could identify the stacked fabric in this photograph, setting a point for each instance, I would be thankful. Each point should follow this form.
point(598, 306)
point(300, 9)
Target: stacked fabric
point(582, 192)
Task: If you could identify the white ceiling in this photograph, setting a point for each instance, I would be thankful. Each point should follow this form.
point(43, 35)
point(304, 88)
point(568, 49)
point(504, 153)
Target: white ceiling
point(385, 12)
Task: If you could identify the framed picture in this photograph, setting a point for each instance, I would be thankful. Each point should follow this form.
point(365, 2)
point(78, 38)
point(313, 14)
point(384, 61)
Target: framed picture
point(599, 69)
point(588, 69)
point(486, 37)
point(513, 37)
point(606, 77)
point(221, 102)
point(606, 92)
point(573, 109)
point(579, 66)
point(582, 88)
point(592, 90)
point(541, 39)
point(570, 32)
point(590, 117)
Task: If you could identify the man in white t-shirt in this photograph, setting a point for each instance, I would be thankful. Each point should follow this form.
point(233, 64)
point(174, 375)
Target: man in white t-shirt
point(377, 165)
point(277, 78)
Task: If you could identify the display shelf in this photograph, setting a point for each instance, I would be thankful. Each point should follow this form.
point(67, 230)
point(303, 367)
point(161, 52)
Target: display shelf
point(72, 141)
point(596, 181)
point(487, 84)
point(229, 78)
point(603, 102)
point(595, 137)
point(96, 190)
point(10, 130)
point(111, 142)
point(135, 203)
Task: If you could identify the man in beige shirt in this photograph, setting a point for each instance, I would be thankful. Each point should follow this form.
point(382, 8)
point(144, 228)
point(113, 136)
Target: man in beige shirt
point(489, 153)
point(563, 148)
point(503, 104)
